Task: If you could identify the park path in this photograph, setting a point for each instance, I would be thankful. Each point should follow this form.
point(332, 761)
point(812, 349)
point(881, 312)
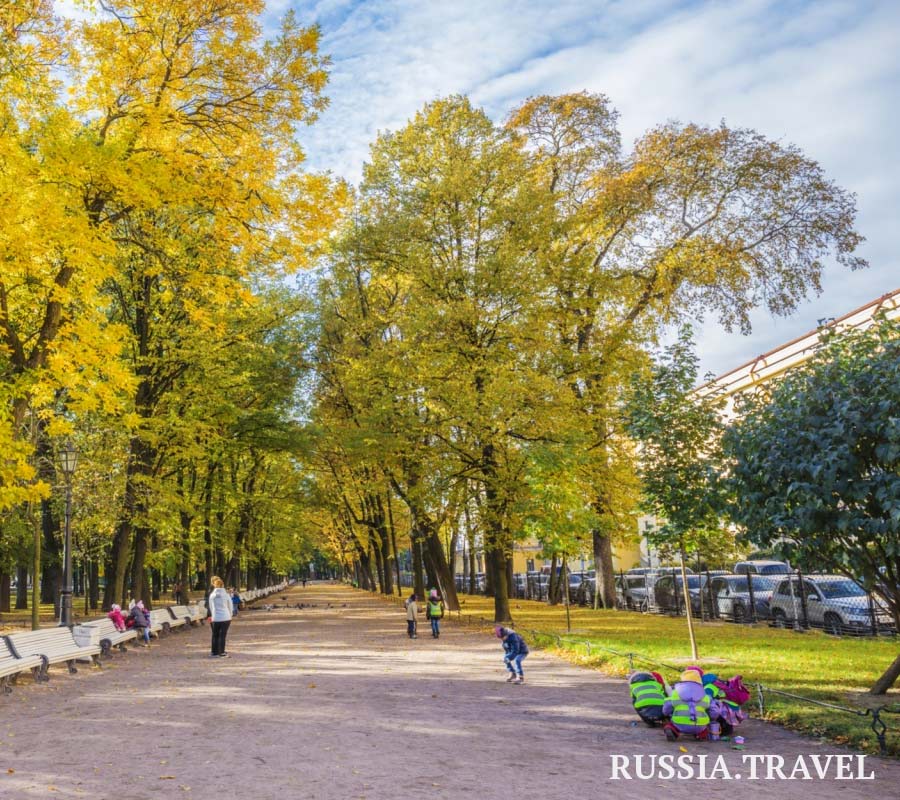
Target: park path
point(333, 701)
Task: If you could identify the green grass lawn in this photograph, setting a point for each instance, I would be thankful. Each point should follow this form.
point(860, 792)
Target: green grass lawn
point(832, 669)
point(19, 618)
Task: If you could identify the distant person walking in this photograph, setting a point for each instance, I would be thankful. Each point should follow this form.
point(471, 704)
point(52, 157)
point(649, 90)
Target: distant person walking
point(434, 612)
point(412, 609)
point(515, 651)
point(219, 605)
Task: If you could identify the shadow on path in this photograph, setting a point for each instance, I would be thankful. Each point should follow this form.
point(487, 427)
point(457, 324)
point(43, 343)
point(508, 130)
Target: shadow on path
point(336, 702)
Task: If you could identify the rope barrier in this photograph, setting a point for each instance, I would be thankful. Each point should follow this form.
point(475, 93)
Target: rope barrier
point(878, 725)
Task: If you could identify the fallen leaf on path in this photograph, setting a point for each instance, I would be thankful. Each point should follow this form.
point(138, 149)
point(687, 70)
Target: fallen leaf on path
point(10, 771)
point(311, 686)
point(167, 777)
point(683, 749)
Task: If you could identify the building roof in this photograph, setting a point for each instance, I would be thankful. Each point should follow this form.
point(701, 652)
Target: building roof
point(793, 353)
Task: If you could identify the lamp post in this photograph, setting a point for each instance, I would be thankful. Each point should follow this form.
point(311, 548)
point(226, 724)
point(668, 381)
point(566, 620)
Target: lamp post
point(68, 460)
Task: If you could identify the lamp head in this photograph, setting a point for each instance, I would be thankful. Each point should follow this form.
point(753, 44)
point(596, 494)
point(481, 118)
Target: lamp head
point(68, 458)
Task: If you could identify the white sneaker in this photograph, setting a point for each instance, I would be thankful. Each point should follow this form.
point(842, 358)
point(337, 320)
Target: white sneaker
point(511, 678)
point(519, 679)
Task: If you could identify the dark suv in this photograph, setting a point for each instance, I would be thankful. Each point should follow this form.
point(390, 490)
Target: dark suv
point(668, 593)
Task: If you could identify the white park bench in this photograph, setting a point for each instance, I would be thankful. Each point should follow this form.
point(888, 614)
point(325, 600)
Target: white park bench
point(104, 633)
point(184, 613)
point(54, 646)
point(160, 621)
point(172, 620)
point(11, 665)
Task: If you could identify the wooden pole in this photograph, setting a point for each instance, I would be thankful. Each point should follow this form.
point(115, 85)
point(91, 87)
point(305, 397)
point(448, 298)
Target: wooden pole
point(687, 608)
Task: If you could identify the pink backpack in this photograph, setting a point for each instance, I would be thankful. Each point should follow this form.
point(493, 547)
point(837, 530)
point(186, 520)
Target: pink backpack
point(734, 690)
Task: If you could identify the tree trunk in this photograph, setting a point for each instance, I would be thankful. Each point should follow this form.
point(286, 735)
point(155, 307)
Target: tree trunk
point(603, 568)
point(139, 589)
point(5, 582)
point(94, 590)
point(892, 673)
point(21, 587)
point(442, 574)
point(418, 575)
point(886, 681)
point(501, 590)
point(553, 583)
point(375, 548)
point(51, 558)
point(393, 545)
point(127, 535)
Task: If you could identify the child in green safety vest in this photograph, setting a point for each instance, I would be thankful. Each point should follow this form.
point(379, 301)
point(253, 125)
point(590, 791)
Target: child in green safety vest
point(434, 611)
point(648, 696)
point(689, 708)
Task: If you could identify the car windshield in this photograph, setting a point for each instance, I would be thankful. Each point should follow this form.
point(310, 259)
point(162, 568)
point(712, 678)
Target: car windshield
point(774, 569)
point(836, 588)
point(763, 584)
point(693, 581)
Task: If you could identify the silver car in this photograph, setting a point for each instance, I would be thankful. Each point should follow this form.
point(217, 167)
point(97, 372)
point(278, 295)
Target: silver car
point(833, 602)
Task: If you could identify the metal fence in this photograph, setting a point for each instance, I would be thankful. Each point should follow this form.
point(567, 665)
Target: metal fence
point(533, 586)
point(794, 601)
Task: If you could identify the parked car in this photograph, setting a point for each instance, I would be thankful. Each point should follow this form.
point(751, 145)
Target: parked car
point(761, 568)
point(658, 571)
point(668, 594)
point(632, 592)
point(732, 595)
point(575, 581)
point(833, 602)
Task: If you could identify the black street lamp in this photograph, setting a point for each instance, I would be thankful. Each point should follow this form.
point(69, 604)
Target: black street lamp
point(68, 460)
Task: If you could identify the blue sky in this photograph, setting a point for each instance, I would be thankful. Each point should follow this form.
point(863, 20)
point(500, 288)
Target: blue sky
point(824, 75)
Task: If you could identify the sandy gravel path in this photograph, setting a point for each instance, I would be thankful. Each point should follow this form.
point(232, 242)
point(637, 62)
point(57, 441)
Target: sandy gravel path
point(335, 702)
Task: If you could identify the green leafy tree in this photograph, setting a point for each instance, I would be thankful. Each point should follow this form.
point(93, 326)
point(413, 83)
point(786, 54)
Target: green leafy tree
point(679, 433)
point(697, 220)
point(816, 462)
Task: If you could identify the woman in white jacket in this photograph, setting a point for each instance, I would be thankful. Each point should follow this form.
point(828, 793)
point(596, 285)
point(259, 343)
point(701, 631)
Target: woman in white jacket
point(219, 605)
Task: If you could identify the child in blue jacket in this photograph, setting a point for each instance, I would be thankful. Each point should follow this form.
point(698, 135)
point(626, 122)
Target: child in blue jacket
point(515, 651)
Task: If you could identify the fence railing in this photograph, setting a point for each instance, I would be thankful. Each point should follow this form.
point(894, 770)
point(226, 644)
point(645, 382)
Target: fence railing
point(794, 601)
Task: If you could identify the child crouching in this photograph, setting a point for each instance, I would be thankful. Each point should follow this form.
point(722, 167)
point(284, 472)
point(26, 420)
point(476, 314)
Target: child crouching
point(648, 696)
point(689, 708)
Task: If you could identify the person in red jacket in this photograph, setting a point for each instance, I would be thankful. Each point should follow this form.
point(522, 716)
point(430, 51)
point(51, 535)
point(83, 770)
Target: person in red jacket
point(115, 614)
